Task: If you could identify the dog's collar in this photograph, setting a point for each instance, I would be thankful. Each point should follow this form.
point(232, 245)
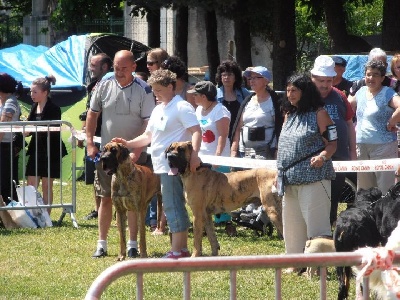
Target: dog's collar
point(203, 165)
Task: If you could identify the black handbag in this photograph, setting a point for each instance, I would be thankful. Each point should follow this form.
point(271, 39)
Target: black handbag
point(258, 133)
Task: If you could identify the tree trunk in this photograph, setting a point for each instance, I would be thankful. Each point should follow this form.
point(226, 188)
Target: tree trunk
point(337, 30)
point(181, 34)
point(391, 25)
point(336, 25)
point(284, 42)
point(242, 39)
point(154, 31)
point(212, 43)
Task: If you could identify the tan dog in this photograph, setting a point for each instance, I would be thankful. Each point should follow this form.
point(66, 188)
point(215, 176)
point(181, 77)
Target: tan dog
point(209, 192)
point(132, 188)
point(319, 244)
point(5, 217)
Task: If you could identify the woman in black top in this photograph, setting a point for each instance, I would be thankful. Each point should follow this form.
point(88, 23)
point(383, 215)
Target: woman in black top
point(43, 109)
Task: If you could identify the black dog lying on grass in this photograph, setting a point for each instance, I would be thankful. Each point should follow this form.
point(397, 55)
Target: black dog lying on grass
point(355, 228)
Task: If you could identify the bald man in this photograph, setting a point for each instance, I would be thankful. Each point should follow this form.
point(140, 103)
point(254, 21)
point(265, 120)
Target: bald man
point(126, 103)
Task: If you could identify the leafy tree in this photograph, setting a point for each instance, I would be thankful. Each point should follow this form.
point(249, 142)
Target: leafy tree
point(335, 15)
point(10, 22)
point(364, 20)
point(19, 8)
point(150, 10)
point(66, 16)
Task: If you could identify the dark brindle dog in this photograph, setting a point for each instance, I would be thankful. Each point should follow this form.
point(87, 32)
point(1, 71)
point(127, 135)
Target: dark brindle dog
point(132, 188)
point(209, 192)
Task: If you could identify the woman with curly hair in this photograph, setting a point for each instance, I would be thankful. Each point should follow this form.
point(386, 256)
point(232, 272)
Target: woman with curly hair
point(230, 91)
point(177, 66)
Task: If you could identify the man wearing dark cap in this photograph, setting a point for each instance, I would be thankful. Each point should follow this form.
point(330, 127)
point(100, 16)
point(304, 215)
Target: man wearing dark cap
point(339, 82)
point(206, 88)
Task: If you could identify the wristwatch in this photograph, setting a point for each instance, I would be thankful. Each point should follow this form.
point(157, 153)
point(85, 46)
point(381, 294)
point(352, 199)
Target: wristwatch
point(323, 157)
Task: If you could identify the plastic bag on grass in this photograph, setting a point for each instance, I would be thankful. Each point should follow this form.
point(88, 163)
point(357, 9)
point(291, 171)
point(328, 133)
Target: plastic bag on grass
point(34, 198)
point(22, 217)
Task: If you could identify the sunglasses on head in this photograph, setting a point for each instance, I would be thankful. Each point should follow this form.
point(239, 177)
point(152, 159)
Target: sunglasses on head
point(150, 63)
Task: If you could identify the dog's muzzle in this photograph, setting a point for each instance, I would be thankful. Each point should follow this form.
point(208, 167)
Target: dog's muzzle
point(176, 167)
point(109, 165)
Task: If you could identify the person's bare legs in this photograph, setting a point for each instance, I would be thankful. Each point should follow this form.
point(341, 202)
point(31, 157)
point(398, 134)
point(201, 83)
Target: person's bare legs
point(105, 217)
point(47, 189)
point(97, 201)
point(160, 230)
point(163, 222)
point(31, 180)
point(104, 223)
point(179, 241)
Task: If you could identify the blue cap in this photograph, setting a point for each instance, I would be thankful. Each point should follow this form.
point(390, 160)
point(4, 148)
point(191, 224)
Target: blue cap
point(263, 71)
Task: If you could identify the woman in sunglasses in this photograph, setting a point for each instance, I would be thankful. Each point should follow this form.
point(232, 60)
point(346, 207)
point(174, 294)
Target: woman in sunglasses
point(259, 121)
point(155, 57)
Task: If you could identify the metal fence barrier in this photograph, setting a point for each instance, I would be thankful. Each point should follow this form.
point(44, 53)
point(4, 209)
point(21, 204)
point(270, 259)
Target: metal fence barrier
point(233, 264)
point(45, 127)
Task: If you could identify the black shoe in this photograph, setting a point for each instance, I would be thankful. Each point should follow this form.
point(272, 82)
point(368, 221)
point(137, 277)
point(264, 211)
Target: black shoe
point(92, 215)
point(99, 253)
point(133, 253)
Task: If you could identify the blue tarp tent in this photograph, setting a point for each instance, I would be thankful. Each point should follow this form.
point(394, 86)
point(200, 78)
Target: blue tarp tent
point(355, 66)
point(66, 61)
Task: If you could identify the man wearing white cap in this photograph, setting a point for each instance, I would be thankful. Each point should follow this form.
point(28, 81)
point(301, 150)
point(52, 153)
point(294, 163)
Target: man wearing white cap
point(340, 111)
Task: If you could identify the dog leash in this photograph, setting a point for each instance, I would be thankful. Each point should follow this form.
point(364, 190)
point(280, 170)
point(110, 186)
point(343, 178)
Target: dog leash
point(389, 193)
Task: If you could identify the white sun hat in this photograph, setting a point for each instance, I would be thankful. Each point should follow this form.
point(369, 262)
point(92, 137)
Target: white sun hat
point(324, 66)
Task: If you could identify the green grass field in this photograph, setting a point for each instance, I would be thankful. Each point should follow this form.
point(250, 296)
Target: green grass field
point(56, 263)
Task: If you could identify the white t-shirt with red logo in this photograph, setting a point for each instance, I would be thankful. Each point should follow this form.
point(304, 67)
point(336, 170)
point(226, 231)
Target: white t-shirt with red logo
point(209, 130)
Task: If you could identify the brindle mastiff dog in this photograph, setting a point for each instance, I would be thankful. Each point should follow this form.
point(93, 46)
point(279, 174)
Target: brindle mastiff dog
point(210, 192)
point(132, 187)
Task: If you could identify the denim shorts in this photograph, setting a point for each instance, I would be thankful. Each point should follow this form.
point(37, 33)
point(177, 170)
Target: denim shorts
point(174, 203)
